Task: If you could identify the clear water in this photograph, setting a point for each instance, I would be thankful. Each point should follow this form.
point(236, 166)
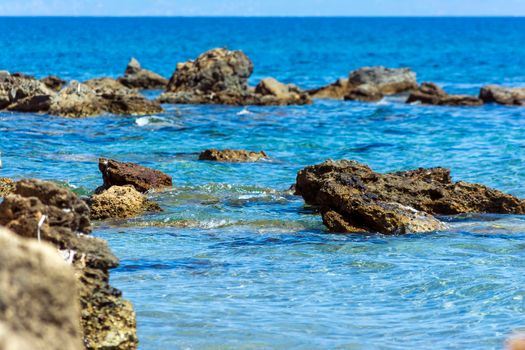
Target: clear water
point(237, 262)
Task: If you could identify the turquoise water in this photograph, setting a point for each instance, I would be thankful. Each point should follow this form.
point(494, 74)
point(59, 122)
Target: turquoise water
point(236, 261)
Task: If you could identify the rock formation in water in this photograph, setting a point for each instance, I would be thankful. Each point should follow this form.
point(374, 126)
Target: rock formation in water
point(143, 179)
point(220, 76)
point(39, 304)
point(503, 95)
point(369, 84)
point(353, 198)
point(120, 202)
point(6, 186)
point(232, 155)
point(18, 91)
point(42, 210)
point(431, 94)
point(54, 83)
point(137, 77)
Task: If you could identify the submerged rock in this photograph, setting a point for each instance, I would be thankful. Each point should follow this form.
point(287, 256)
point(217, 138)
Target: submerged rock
point(232, 155)
point(143, 179)
point(503, 95)
point(353, 198)
point(54, 83)
point(38, 297)
point(42, 210)
point(6, 186)
point(431, 94)
point(137, 77)
point(220, 76)
point(120, 202)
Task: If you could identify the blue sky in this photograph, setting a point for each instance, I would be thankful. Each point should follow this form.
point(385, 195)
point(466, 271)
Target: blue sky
point(262, 7)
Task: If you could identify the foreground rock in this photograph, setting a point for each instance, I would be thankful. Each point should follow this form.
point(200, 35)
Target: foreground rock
point(143, 179)
point(232, 155)
point(42, 210)
point(503, 95)
point(369, 84)
point(220, 76)
point(6, 186)
point(38, 297)
point(137, 77)
point(120, 202)
point(354, 198)
point(431, 94)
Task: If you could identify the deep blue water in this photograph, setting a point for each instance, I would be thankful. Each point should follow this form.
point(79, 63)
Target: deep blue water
point(235, 261)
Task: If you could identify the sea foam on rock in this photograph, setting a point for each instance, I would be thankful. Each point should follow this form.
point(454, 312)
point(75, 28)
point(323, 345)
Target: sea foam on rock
point(354, 198)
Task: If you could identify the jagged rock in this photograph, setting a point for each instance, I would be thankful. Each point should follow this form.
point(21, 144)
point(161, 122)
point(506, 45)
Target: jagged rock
point(39, 306)
point(6, 186)
point(77, 100)
point(107, 87)
point(232, 156)
point(365, 92)
point(220, 76)
point(42, 210)
point(336, 91)
point(431, 94)
point(354, 198)
point(18, 88)
point(54, 83)
point(143, 179)
point(137, 77)
point(120, 202)
point(503, 95)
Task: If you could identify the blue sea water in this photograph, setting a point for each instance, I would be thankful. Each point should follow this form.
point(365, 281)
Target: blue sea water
point(236, 261)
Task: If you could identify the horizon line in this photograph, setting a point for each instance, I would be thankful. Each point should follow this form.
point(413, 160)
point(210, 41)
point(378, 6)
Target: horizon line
point(261, 16)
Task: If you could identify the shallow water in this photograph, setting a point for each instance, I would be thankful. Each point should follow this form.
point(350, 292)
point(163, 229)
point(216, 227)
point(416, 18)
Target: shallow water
point(237, 261)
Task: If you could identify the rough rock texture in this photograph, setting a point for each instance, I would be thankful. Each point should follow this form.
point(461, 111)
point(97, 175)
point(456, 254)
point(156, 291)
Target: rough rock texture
point(220, 76)
point(137, 77)
point(369, 84)
point(77, 100)
point(232, 155)
point(120, 202)
point(15, 88)
point(39, 209)
point(431, 94)
point(143, 179)
point(6, 186)
point(353, 198)
point(54, 83)
point(39, 306)
point(503, 95)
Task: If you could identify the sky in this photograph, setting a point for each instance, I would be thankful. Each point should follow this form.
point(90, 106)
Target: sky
point(262, 7)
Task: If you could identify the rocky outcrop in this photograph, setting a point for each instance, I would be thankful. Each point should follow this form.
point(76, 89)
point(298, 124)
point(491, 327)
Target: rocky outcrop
point(369, 84)
point(17, 91)
point(137, 77)
point(120, 202)
point(54, 83)
point(6, 186)
point(353, 198)
point(42, 210)
point(503, 95)
point(232, 155)
point(39, 306)
point(431, 94)
point(220, 76)
point(143, 179)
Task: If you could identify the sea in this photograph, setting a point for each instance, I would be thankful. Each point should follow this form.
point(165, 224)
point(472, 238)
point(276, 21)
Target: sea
point(235, 260)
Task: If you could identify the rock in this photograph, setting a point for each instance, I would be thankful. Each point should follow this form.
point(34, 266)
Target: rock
point(365, 92)
point(76, 101)
point(32, 104)
point(353, 198)
point(42, 210)
point(143, 179)
point(6, 186)
point(54, 83)
point(137, 77)
point(38, 297)
point(336, 91)
point(275, 93)
point(503, 95)
point(232, 156)
point(120, 202)
point(431, 94)
point(18, 87)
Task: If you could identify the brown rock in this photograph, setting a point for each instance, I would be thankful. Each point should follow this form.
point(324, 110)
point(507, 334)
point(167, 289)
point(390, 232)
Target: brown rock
point(430, 93)
point(17, 87)
point(503, 95)
point(365, 92)
point(273, 92)
point(54, 83)
point(143, 179)
point(6, 186)
point(76, 101)
point(137, 77)
point(336, 91)
point(352, 197)
point(232, 156)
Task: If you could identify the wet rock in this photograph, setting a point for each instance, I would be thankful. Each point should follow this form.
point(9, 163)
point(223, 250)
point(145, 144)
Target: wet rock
point(120, 202)
point(42, 210)
point(273, 92)
point(143, 179)
point(77, 100)
point(365, 92)
point(503, 95)
point(231, 155)
point(6, 186)
point(336, 91)
point(54, 83)
point(137, 77)
point(353, 198)
point(431, 94)
point(38, 297)
point(18, 87)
